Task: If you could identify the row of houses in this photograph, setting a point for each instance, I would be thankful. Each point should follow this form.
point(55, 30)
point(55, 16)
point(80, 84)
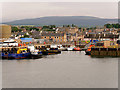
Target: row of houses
point(69, 34)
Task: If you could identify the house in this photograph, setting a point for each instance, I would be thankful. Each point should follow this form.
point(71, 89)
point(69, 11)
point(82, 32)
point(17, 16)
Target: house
point(35, 34)
point(21, 34)
point(67, 29)
point(101, 35)
point(79, 36)
point(54, 37)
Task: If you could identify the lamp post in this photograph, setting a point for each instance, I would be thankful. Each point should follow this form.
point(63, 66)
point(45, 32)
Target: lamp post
point(99, 36)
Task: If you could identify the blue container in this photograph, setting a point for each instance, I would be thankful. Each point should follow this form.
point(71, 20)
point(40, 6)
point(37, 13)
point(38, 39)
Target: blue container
point(94, 41)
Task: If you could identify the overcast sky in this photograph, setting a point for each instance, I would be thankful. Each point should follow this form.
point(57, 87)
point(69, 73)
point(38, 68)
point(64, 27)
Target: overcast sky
point(15, 11)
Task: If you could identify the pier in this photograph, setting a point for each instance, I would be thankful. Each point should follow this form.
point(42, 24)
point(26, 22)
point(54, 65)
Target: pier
point(105, 52)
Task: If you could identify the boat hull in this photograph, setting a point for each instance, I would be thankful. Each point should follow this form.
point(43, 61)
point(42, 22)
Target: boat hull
point(69, 49)
point(49, 52)
point(16, 56)
point(33, 56)
point(36, 56)
point(88, 52)
point(76, 49)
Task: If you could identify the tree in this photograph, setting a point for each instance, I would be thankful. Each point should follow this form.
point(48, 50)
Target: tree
point(26, 36)
point(72, 25)
point(95, 27)
point(83, 29)
point(26, 27)
point(45, 27)
point(68, 25)
point(15, 29)
point(88, 28)
point(34, 28)
point(111, 25)
point(19, 30)
point(30, 33)
point(52, 26)
point(117, 25)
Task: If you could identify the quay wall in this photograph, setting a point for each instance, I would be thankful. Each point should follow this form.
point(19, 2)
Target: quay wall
point(113, 52)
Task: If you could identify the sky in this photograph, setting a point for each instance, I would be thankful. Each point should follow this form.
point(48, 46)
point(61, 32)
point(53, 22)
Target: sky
point(24, 10)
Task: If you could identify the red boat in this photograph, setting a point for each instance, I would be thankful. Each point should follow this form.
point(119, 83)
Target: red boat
point(88, 51)
point(77, 49)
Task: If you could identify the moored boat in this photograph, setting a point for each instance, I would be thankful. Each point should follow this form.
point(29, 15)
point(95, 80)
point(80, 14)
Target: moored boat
point(88, 51)
point(70, 48)
point(16, 53)
point(34, 52)
point(61, 48)
point(53, 51)
point(76, 49)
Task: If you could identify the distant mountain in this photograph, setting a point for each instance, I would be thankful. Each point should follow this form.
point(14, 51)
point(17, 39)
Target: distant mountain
point(64, 20)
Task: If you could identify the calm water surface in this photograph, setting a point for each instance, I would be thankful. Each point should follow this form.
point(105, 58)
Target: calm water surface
point(66, 70)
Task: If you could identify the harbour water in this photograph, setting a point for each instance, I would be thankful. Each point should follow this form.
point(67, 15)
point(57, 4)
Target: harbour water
point(69, 69)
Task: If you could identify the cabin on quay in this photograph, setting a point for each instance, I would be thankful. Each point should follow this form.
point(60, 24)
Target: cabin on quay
point(104, 49)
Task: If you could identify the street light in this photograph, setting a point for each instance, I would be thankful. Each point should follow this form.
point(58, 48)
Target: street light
point(99, 36)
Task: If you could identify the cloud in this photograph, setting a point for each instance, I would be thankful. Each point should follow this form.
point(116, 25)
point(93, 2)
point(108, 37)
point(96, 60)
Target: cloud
point(14, 11)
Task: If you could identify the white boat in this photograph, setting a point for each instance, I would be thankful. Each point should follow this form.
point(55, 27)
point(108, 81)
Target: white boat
point(53, 46)
point(61, 48)
point(10, 42)
point(34, 52)
point(70, 48)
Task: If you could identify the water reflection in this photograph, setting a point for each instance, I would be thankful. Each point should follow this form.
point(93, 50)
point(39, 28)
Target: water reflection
point(66, 70)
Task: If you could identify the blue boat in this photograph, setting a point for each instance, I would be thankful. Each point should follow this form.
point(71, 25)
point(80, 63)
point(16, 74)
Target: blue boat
point(22, 53)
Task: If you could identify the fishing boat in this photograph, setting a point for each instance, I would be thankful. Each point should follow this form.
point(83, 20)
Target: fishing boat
point(16, 53)
point(88, 51)
point(51, 50)
point(44, 50)
point(76, 49)
point(34, 52)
